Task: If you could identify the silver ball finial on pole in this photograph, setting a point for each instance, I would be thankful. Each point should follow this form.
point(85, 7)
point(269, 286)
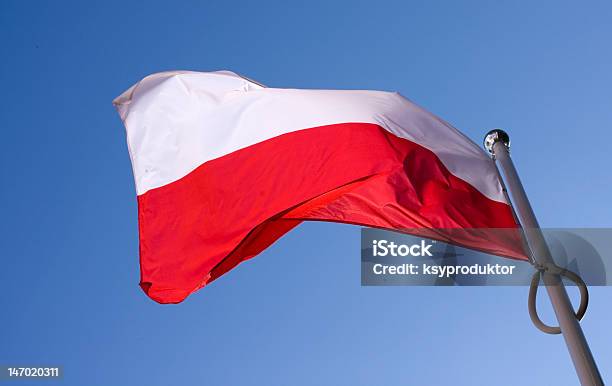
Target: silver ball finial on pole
point(496, 135)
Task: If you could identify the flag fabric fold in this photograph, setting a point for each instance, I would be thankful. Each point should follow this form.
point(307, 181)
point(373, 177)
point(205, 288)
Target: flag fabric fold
point(224, 167)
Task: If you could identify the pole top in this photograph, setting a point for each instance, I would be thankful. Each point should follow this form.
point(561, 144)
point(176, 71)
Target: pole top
point(494, 136)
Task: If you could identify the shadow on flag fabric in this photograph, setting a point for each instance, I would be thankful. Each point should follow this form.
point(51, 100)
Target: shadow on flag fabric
point(224, 167)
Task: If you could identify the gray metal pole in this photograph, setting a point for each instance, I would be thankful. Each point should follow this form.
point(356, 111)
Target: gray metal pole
point(497, 143)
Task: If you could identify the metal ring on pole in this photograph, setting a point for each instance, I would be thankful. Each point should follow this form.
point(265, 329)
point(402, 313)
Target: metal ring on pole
point(533, 291)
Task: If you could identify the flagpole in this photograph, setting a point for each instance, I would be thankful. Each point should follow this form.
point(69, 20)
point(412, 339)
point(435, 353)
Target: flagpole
point(497, 142)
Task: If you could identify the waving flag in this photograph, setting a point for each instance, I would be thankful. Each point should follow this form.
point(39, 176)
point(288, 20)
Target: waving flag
point(225, 166)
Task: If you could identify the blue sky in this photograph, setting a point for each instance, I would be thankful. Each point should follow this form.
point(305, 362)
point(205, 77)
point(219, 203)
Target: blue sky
point(296, 314)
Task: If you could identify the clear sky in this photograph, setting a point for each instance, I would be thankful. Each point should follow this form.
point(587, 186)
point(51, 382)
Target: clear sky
point(296, 314)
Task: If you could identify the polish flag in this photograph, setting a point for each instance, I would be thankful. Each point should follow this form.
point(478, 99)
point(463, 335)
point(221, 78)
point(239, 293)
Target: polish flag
point(224, 167)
